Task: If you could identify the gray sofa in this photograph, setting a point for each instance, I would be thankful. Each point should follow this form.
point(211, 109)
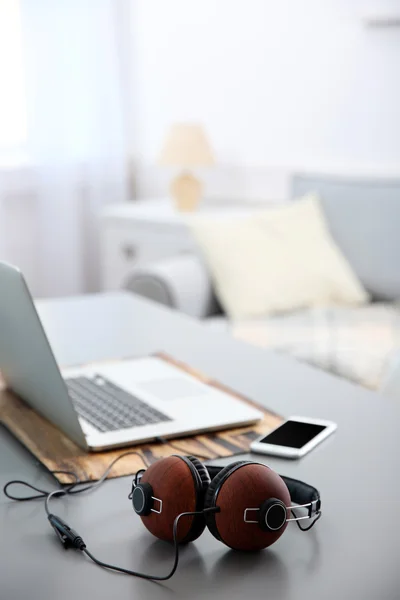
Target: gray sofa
point(362, 344)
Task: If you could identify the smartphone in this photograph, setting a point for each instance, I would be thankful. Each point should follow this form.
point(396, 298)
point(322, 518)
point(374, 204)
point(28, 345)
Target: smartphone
point(294, 438)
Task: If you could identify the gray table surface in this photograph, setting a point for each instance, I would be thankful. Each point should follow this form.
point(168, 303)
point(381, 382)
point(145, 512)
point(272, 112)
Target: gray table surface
point(353, 552)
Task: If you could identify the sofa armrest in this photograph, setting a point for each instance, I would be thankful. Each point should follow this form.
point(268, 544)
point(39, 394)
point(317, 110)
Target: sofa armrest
point(181, 282)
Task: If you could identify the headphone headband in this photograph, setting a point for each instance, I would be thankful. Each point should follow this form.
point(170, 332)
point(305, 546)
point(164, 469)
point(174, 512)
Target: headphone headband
point(301, 493)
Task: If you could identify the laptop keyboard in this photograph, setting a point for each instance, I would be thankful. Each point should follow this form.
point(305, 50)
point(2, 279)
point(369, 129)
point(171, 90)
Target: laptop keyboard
point(107, 407)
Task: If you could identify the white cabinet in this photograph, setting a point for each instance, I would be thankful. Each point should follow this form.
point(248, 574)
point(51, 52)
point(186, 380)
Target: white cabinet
point(136, 233)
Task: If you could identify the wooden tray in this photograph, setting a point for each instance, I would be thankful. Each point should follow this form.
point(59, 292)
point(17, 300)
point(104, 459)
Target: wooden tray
point(57, 452)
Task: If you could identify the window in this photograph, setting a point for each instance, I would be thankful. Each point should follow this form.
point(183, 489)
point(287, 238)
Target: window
point(13, 119)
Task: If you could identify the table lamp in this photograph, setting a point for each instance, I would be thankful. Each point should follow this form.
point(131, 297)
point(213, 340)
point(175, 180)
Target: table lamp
point(187, 147)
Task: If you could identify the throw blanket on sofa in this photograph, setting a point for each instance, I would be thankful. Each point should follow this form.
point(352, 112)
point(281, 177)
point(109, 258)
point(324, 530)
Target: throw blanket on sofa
point(356, 343)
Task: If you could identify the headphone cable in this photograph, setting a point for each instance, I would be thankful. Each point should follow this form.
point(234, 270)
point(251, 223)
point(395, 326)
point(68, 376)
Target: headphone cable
point(70, 538)
point(70, 488)
point(301, 527)
point(144, 575)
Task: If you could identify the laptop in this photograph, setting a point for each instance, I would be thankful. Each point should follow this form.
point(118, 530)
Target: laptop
point(106, 404)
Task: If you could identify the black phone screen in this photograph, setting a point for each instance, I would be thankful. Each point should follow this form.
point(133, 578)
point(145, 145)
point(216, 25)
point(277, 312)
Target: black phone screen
point(293, 434)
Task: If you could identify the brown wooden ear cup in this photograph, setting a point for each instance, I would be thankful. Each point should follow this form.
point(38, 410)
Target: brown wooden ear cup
point(211, 494)
point(180, 482)
point(239, 486)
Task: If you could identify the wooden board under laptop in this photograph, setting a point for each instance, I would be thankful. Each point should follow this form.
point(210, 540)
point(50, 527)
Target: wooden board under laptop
point(57, 452)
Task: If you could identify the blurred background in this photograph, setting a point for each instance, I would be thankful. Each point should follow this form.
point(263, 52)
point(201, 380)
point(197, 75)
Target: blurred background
point(125, 125)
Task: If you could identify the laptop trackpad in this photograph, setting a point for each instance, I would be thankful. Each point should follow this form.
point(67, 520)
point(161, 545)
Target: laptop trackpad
point(173, 388)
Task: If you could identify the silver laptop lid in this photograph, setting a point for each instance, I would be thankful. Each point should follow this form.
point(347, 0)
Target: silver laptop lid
point(27, 362)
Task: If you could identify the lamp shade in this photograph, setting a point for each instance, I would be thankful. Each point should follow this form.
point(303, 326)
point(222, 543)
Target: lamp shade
point(186, 146)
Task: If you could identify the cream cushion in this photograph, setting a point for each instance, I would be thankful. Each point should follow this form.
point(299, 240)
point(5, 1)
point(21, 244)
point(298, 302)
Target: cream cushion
point(276, 260)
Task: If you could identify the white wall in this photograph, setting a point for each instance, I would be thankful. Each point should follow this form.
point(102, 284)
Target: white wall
point(284, 82)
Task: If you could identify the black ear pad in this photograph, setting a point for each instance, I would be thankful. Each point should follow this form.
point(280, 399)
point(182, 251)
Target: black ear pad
point(212, 493)
point(201, 470)
point(201, 479)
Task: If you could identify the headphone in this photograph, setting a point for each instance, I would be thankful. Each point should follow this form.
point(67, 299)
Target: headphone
point(245, 505)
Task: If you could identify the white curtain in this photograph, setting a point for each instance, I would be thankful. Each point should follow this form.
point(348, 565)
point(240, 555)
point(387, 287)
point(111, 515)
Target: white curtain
point(76, 147)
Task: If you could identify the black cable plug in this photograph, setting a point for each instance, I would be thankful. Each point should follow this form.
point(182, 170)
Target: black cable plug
point(67, 536)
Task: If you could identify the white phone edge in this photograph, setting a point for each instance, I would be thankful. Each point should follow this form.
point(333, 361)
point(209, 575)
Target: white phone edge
point(288, 452)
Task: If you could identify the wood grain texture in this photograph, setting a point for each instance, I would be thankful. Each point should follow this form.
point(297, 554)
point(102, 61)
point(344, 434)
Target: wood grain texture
point(172, 482)
point(57, 452)
point(248, 487)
